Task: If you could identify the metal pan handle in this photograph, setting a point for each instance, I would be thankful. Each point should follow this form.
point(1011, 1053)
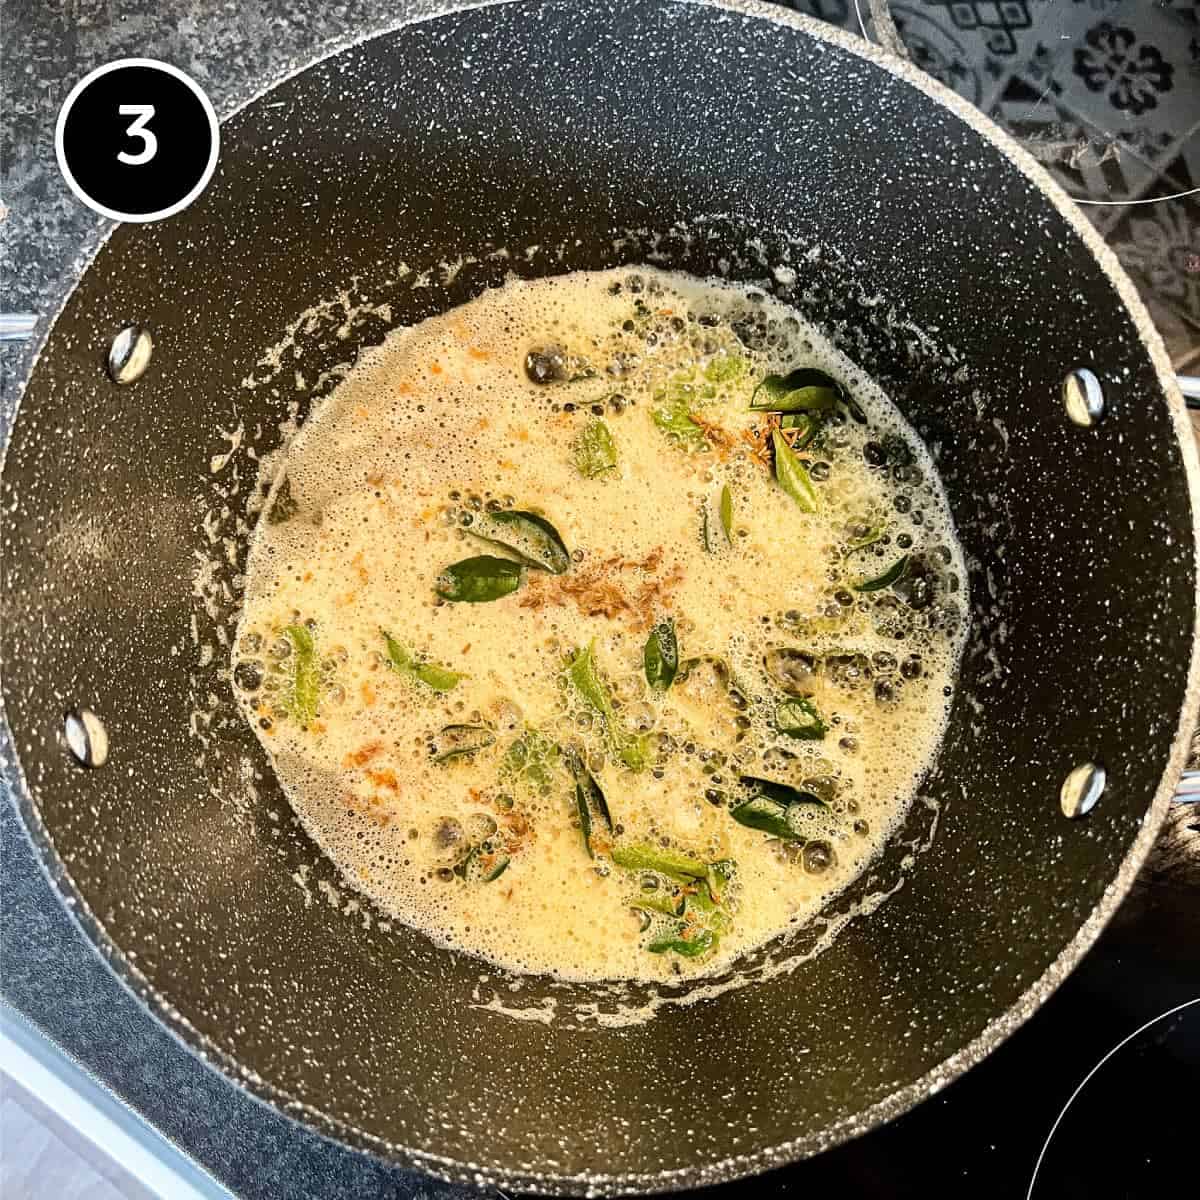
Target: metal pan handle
point(1187, 791)
point(18, 327)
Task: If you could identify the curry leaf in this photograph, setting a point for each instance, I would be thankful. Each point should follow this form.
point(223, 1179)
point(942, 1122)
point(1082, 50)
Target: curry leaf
point(809, 424)
point(660, 657)
point(595, 450)
point(665, 862)
point(708, 532)
point(805, 389)
point(458, 741)
point(533, 758)
point(792, 476)
point(589, 802)
point(304, 687)
point(530, 536)
point(725, 368)
point(763, 814)
point(476, 580)
point(632, 750)
point(672, 906)
point(673, 417)
point(892, 575)
point(727, 513)
point(483, 863)
point(800, 719)
point(781, 792)
point(688, 945)
point(441, 679)
point(773, 807)
point(873, 534)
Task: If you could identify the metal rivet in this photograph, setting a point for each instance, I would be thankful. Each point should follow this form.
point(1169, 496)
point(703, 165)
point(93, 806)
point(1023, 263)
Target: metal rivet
point(129, 354)
point(87, 739)
point(1083, 397)
point(1081, 789)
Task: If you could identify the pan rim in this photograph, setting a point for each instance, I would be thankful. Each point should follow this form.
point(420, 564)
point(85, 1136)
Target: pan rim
point(903, 1099)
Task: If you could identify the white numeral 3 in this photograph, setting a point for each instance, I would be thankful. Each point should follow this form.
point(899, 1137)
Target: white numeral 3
point(138, 129)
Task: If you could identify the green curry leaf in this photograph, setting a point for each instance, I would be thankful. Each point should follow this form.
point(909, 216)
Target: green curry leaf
point(792, 476)
point(441, 679)
point(477, 580)
point(595, 451)
point(892, 575)
point(660, 656)
point(802, 390)
point(304, 686)
point(527, 534)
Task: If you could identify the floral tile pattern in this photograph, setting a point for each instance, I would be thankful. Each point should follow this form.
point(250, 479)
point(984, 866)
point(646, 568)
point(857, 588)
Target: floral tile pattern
point(1085, 159)
point(1129, 73)
point(1105, 94)
point(1159, 245)
point(1004, 28)
point(1133, 73)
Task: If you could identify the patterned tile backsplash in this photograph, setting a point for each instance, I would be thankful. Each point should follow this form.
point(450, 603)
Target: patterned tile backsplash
point(1106, 95)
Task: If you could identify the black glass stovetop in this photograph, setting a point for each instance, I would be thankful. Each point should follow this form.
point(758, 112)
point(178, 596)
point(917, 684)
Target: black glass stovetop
point(1128, 1134)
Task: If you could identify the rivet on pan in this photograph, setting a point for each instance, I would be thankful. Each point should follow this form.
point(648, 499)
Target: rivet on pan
point(129, 354)
point(1083, 398)
point(87, 739)
point(1081, 789)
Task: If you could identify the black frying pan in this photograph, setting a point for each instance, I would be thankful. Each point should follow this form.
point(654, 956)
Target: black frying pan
point(714, 139)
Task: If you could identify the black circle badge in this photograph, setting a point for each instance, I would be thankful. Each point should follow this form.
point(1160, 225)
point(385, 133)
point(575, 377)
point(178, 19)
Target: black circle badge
point(137, 140)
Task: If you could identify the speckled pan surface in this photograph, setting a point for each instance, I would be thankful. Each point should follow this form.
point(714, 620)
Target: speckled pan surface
point(710, 138)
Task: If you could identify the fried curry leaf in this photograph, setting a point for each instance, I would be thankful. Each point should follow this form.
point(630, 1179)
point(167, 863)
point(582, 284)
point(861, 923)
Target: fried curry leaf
point(688, 945)
point(483, 863)
point(527, 534)
point(692, 904)
point(680, 867)
point(798, 718)
point(477, 580)
point(632, 750)
point(873, 534)
point(709, 538)
point(589, 802)
point(673, 417)
point(764, 814)
point(669, 906)
point(304, 685)
point(665, 862)
point(459, 741)
point(773, 807)
point(792, 476)
point(892, 575)
point(725, 368)
point(805, 389)
point(781, 792)
point(441, 679)
point(660, 656)
point(810, 425)
point(595, 451)
point(726, 511)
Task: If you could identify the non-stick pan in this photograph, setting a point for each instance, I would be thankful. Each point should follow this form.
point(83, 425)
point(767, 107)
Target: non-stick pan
point(401, 176)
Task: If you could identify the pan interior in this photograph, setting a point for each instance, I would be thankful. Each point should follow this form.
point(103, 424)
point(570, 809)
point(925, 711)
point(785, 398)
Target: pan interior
point(402, 177)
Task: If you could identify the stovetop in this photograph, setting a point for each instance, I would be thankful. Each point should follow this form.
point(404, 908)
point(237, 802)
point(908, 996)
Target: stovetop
point(1103, 91)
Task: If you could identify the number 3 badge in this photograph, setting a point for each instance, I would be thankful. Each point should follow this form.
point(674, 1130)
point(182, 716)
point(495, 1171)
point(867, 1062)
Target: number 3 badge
point(137, 140)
